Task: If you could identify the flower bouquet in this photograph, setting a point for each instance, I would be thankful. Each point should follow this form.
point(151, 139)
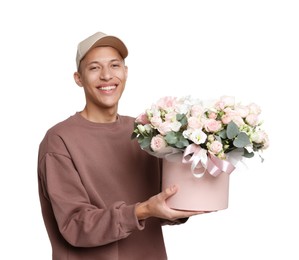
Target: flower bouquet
point(200, 143)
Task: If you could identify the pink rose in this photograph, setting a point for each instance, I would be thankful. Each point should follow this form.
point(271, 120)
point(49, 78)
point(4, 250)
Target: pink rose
point(226, 119)
point(230, 112)
point(212, 115)
point(243, 111)
point(194, 123)
point(142, 119)
point(164, 128)
point(156, 121)
point(166, 102)
point(197, 111)
point(254, 109)
point(215, 147)
point(158, 143)
point(252, 119)
point(260, 136)
point(212, 125)
point(225, 101)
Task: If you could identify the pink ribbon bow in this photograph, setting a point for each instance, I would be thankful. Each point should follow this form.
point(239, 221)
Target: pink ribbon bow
point(202, 161)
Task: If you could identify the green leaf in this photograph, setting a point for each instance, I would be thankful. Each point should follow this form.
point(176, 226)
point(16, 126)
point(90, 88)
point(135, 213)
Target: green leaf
point(222, 134)
point(171, 138)
point(144, 142)
point(232, 130)
point(183, 142)
point(247, 154)
point(134, 135)
point(241, 140)
point(182, 119)
point(179, 117)
point(218, 138)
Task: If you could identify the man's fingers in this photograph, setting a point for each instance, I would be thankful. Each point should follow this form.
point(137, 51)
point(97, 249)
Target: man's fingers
point(168, 192)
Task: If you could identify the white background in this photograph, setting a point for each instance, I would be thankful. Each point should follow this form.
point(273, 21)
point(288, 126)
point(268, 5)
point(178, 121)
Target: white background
point(248, 49)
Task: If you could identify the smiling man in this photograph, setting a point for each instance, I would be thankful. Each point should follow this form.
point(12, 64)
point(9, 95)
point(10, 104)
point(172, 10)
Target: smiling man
point(103, 74)
point(99, 192)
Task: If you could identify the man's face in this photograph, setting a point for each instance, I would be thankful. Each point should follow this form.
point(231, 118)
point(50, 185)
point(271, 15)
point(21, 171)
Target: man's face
point(103, 75)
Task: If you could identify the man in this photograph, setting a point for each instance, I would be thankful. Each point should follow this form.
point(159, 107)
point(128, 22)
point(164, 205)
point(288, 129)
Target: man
point(99, 192)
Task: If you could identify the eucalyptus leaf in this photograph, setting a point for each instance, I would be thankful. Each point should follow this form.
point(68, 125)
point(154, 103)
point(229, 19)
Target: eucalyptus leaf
point(247, 154)
point(171, 138)
point(218, 138)
point(183, 142)
point(182, 119)
point(222, 134)
point(241, 140)
point(145, 142)
point(179, 117)
point(179, 145)
point(232, 130)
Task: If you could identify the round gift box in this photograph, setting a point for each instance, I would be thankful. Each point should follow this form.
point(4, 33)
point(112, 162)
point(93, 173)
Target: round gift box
point(207, 193)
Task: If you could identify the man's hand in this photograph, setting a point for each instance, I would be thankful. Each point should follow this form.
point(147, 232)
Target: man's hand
point(156, 207)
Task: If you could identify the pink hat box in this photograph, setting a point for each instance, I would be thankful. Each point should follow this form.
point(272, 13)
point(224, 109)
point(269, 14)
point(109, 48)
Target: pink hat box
point(207, 193)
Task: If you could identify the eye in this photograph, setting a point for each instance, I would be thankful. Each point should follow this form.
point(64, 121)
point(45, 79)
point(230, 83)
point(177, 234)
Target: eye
point(94, 68)
point(115, 65)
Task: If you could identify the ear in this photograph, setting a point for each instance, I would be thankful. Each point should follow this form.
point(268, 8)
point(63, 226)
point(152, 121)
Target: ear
point(77, 78)
point(126, 72)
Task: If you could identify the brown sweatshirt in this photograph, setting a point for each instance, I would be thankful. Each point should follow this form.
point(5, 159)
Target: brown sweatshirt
point(90, 177)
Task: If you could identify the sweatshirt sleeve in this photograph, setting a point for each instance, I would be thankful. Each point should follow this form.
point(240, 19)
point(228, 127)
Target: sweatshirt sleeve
point(80, 222)
point(180, 221)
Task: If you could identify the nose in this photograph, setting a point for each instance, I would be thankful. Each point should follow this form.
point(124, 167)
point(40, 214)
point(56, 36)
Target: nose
point(105, 73)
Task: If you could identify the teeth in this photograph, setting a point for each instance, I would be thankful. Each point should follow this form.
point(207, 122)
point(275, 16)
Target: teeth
point(107, 88)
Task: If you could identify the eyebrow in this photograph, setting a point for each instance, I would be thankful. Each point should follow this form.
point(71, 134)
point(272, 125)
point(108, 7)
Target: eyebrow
point(109, 61)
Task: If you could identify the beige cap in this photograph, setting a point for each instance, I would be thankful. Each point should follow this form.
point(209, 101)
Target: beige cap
point(100, 39)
